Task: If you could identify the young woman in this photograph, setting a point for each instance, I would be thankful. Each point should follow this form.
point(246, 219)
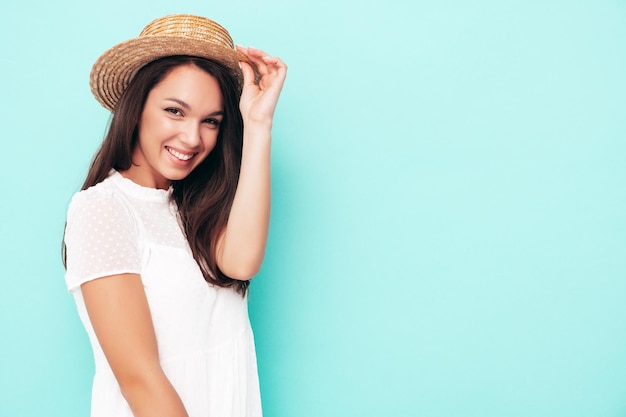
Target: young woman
point(172, 222)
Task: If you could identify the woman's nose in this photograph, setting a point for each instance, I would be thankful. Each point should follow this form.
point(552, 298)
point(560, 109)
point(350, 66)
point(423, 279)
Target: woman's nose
point(191, 136)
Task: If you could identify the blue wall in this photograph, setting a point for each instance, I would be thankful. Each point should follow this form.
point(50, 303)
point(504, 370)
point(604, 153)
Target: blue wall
point(449, 224)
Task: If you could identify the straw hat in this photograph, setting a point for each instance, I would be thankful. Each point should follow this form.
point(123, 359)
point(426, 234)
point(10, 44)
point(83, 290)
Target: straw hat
point(179, 34)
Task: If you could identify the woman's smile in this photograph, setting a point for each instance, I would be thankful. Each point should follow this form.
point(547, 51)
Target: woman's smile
point(181, 156)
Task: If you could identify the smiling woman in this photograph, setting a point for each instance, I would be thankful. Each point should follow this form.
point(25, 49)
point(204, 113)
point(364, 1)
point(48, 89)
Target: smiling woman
point(172, 221)
point(178, 127)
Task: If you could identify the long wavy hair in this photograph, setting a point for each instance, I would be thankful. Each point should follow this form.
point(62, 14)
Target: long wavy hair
point(205, 196)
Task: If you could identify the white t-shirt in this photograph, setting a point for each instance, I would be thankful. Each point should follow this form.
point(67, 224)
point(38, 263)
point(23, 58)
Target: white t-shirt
point(205, 341)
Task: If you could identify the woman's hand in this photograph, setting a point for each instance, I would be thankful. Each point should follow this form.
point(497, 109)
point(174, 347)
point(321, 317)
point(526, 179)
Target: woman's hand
point(258, 101)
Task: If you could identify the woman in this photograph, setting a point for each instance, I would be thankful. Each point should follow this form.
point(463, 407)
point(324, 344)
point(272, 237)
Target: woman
point(172, 221)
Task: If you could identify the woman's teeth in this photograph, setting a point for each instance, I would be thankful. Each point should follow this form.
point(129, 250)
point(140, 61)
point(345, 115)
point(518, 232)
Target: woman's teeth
point(181, 156)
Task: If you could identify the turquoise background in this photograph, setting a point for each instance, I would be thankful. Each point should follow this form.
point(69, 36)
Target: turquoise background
point(449, 223)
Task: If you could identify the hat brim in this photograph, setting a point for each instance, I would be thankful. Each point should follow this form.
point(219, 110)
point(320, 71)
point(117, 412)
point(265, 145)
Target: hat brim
point(112, 72)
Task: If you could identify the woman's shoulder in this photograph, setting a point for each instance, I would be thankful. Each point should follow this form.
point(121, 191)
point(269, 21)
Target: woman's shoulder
point(96, 194)
point(102, 199)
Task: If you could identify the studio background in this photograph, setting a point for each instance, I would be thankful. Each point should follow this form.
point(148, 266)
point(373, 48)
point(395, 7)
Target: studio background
point(448, 232)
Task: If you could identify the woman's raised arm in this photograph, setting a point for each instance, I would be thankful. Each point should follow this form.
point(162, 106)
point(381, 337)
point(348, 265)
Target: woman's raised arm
point(241, 247)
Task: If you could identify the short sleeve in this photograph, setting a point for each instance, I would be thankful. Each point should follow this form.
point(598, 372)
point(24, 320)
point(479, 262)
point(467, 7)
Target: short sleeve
point(101, 238)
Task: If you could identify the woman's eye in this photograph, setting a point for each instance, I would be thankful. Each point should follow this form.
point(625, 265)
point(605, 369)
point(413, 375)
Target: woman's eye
point(174, 111)
point(212, 122)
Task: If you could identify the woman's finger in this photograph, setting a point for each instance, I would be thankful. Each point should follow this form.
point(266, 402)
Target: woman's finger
point(255, 62)
point(248, 73)
point(255, 56)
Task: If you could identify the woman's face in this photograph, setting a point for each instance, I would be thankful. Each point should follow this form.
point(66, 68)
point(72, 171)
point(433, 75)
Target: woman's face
point(178, 127)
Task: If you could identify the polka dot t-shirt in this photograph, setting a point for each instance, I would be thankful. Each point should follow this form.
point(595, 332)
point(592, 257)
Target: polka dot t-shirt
point(104, 237)
point(205, 342)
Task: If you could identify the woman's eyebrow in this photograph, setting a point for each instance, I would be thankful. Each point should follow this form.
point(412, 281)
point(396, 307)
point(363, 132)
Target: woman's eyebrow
point(180, 102)
point(188, 107)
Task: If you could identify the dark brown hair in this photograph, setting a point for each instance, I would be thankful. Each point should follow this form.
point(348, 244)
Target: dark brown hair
point(205, 196)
